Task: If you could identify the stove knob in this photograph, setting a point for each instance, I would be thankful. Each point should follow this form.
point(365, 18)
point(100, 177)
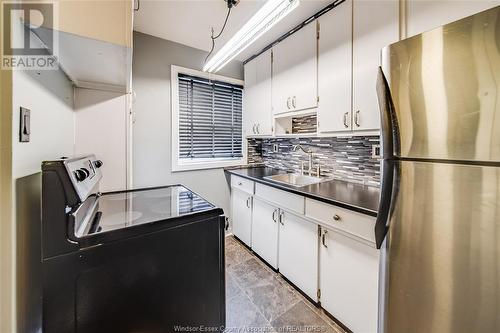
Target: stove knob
point(80, 175)
point(98, 163)
point(87, 172)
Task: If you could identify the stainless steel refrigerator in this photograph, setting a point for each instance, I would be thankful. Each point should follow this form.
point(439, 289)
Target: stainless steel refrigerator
point(439, 220)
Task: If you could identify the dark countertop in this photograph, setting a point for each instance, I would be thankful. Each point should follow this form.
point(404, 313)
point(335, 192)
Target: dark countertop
point(360, 198)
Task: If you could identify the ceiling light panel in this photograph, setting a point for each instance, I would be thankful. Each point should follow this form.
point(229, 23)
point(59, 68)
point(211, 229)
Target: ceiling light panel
point(271, 13)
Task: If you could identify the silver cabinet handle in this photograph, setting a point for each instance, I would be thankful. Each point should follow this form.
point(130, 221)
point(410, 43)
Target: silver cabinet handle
point(258, 128)
point(282, 213)
point(323, 238)
point(356, 119)
point(294, 99)
point(345, 119)
point(248, 204)
point(274, 215)
point(336, 217)
point(288, 103)
point(253, 128)
point(240, 183)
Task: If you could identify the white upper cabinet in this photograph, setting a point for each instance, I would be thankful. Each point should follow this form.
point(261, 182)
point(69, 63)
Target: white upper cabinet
point(257, 107)
point(423, 15)
point(375, 25)
point(295, 70)
point(334, 69)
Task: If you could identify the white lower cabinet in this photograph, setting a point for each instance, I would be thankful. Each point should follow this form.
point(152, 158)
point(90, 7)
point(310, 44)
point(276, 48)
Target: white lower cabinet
point(242, 215)
point(349, 281)
point(343, 259)
point(265, 231)
point(298, 252)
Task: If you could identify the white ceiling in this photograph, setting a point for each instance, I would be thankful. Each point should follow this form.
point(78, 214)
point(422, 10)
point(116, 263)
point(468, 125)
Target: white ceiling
point(189, 21)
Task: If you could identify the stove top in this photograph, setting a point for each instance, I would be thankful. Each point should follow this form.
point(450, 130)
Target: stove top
point(125, 209)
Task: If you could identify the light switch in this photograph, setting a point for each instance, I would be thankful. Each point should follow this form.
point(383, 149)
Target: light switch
point(24, 125)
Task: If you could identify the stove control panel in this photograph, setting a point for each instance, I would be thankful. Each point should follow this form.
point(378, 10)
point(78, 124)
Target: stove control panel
point(85, 174)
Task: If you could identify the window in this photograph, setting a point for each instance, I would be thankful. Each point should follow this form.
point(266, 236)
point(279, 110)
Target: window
point(207, 120)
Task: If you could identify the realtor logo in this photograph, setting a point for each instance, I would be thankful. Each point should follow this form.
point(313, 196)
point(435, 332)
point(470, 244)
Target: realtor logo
point(29, 35)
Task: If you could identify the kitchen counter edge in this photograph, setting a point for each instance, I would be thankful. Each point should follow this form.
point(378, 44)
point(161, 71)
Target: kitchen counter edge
point(240, 172)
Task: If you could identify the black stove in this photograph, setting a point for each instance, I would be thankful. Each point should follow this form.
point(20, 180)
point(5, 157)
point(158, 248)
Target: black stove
point(146, 260)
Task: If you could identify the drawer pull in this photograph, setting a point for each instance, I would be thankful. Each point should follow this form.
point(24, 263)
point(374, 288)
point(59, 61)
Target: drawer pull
point(336, 217)
point(240, 183)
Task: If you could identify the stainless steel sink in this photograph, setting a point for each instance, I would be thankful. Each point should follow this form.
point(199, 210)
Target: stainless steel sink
point(295, 179)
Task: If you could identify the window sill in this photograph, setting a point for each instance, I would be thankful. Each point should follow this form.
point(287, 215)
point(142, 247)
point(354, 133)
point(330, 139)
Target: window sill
point(179, 166)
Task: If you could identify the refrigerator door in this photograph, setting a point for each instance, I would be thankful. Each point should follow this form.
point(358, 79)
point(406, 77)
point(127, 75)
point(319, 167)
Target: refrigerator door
point(442, 251)
point(445, 86)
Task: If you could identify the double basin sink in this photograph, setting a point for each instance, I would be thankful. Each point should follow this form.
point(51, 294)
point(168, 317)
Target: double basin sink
point(295, 179)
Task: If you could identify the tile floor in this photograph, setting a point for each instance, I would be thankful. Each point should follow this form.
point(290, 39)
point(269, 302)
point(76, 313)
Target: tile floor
point(260, 300)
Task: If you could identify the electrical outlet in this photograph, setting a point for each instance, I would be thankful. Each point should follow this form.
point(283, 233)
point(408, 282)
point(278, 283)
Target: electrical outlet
point(275, 148)
point(375, 151)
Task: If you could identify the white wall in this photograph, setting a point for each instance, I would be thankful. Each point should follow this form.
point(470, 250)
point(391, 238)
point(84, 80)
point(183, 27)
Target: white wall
point(101, 128)
point(49, 96)
point(151, 132)
point(423, 15)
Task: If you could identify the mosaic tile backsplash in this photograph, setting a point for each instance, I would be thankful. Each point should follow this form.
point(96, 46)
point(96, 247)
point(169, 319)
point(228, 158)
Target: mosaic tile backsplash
point(345, 158)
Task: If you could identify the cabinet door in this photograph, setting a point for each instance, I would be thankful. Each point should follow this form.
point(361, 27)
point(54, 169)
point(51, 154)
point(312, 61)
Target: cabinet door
point(257, 107)
point(265, 231)
point(250, 96)
point(334, 69)
point(263, 106)
point(298, 252)
point(349, 281)
point(242, 216)
point(375, 25)
point(295, 72)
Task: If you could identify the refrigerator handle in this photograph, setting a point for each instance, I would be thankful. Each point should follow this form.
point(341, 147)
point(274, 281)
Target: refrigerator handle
point(386, 199)
point(389, 129)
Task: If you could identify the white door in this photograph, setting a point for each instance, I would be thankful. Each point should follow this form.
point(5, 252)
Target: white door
point(375, 25)
point(242, 215)
point(334, 69)
point(298, 252)
point(349, 281)
point(250, 95)
point(265, 231)
point(295, 72)
point(262, 103)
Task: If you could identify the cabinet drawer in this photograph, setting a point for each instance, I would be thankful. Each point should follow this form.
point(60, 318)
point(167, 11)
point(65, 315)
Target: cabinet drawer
point(285, 200)
point(358, 224)
point(242, 184)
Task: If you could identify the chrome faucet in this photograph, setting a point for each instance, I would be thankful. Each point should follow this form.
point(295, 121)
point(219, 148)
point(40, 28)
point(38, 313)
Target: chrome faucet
point(310, 153)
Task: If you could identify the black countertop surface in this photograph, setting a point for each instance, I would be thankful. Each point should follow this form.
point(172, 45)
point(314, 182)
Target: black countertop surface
point(360, 198)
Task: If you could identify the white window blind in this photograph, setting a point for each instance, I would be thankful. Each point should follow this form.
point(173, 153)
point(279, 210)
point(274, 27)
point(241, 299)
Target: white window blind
point(210, 119)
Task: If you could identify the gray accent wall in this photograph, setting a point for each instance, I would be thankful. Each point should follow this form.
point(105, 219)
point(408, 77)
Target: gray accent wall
point(151, 136)
point(344, 158)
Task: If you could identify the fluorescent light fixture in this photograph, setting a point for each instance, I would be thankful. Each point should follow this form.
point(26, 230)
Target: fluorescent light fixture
point(271, 13)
